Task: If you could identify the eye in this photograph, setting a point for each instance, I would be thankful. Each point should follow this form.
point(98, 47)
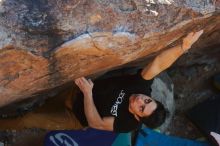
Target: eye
point(147, 101)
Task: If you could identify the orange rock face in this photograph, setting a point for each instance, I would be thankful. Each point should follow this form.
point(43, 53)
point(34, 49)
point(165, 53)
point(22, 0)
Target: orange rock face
point(44, 45)
point(21, 73)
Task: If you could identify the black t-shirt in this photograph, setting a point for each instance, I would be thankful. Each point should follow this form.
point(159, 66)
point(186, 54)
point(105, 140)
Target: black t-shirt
point(111, 98)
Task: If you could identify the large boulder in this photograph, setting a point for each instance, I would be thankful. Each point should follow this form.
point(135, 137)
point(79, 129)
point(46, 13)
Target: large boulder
point(45, 44)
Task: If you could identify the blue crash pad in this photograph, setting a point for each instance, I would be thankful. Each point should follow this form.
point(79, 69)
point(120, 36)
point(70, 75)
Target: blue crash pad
point(89, 137)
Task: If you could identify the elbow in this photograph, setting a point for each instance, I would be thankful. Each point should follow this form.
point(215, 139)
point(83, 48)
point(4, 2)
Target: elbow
point(151, 71)
point(97, 125)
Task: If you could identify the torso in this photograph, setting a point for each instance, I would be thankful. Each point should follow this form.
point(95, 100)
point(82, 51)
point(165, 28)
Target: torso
point(111, 97)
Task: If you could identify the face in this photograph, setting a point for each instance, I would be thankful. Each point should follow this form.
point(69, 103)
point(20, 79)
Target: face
point(141, 105)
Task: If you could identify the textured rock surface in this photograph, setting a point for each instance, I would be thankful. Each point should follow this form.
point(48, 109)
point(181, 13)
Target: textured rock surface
point(45, 44)
point(162, 90)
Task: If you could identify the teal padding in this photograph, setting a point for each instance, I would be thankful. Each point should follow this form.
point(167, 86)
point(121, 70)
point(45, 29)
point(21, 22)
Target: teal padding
point(123, 139)
point(151, 138)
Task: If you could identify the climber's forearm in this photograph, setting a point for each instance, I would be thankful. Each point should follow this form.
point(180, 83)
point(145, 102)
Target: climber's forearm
point(164, 60)
point(93, 117)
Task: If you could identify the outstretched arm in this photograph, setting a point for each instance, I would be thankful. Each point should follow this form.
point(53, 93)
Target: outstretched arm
point(92, 115)
point(166, 58)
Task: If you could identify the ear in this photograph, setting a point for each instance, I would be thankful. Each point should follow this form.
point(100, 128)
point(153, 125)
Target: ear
point(136, 117)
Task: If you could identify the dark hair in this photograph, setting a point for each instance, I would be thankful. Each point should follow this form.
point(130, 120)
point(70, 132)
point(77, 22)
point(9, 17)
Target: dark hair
point(156, 118)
